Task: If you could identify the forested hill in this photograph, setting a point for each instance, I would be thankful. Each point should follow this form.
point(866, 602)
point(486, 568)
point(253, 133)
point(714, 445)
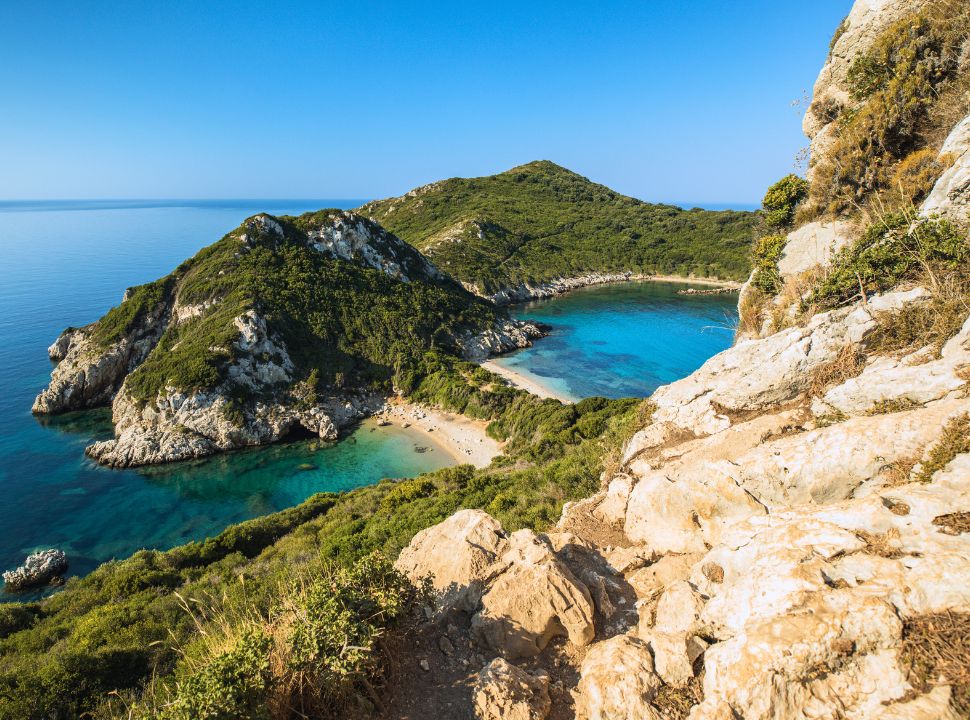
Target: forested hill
point(541, 221)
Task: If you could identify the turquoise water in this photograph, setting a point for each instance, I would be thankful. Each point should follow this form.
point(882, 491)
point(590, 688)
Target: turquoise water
point(623, 340)
point(66, 263)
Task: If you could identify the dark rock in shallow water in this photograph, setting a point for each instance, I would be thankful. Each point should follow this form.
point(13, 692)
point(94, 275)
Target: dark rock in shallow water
point(42, 568)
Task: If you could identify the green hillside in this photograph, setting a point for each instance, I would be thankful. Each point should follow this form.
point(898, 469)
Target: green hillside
point(540, 221)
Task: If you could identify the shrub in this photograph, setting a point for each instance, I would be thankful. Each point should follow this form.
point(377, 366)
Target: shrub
point(767, 252)
point(779, 203)
point(896, 249)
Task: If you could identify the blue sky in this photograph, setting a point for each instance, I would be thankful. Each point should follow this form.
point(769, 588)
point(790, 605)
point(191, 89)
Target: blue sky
point(660, 99)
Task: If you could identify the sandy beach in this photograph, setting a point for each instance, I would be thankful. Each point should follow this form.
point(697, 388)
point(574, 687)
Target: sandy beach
point(463, 438)
point(522, 382)
point(691, 281)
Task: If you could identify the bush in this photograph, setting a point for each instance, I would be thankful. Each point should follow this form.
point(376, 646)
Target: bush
point(779, 203)
point(767, 252)
point(896, 249)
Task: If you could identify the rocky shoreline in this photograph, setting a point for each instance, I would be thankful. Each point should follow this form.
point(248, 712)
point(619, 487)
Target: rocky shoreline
point(524, 292)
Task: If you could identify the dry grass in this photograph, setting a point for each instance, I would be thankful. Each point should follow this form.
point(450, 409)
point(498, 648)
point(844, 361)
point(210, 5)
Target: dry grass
point(927, 324)
point(936, 651)
point(849, 363)
point(750, 306)
point(886, 407)
point(953, 523)
point(885, 544)
point(900, 472)
point(676, 703)
point(954, 440)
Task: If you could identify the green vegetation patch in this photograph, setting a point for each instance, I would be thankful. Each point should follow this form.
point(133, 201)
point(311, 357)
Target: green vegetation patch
point(898, 248)
point(126, 623)
point(344, 323)
point(540, 221)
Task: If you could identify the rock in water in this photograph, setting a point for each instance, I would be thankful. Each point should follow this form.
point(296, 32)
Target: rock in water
point(41, 568)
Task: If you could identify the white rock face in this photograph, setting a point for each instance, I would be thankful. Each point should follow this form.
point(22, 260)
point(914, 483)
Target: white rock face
point(88, 375)
point(911, 380)
point(517, 625)
point(757, 374)
point(550, 288)
point(950, 196)
point(504, 692)
point(504, 336)
point(180, 425)
point(813, 245)
point(617, 682)
point(457, 554)
point(351, 237)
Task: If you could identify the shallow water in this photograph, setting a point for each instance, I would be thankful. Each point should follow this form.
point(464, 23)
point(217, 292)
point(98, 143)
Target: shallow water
point(66, 264)
point(623, 340)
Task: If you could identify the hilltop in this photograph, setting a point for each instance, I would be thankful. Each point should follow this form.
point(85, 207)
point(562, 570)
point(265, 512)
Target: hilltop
point(289, 324)
point(541, 222)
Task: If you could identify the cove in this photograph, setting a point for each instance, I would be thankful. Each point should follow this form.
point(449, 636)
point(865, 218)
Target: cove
point(67, 263)
point(623, 339)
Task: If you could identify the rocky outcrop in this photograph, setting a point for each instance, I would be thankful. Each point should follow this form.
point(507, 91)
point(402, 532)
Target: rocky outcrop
point(40, 568)
point(950, 196)
point(504, 692)
point(550, 288)
point(617, 682)
point(88, 374)
point(457, 555)
point(352, 237)
point(178, 425)
point(520, 625)
point(864, 23)
point(504, 336)
point(773, 552)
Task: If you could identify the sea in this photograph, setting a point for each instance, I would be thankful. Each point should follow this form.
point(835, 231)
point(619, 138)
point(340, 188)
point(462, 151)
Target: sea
point(67, 262)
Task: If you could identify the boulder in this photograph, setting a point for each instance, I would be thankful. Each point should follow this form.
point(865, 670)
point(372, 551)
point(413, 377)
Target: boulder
point(834, 656)
point(457, 555)
point(678, 609)
point(617, 682)
point(813, 245)
point(504, 692)
point(674, 655)
point(40, 568)
point(533, 598)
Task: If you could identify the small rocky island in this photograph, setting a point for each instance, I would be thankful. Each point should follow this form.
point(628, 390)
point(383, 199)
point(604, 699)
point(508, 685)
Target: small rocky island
point(290, 325)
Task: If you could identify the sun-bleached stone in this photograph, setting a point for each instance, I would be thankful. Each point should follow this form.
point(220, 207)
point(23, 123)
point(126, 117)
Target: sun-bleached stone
point(505, 692)
point(950, 196)
point(520, 624)
point(457, 555)
point(617, 682)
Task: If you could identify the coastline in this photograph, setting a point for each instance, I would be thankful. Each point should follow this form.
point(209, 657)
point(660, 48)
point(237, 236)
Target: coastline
point(523, 382)
point(525, 292)
point(461, 437)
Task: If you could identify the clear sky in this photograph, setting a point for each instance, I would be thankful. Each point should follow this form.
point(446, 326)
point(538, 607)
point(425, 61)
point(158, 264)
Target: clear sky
point(670, 100)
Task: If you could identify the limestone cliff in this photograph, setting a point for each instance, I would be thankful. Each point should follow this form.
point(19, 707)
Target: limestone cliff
point(788, 535)
point(285, 323)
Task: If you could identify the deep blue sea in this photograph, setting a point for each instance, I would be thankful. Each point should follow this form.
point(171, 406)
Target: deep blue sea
point(623, 340)
point(66, 263)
